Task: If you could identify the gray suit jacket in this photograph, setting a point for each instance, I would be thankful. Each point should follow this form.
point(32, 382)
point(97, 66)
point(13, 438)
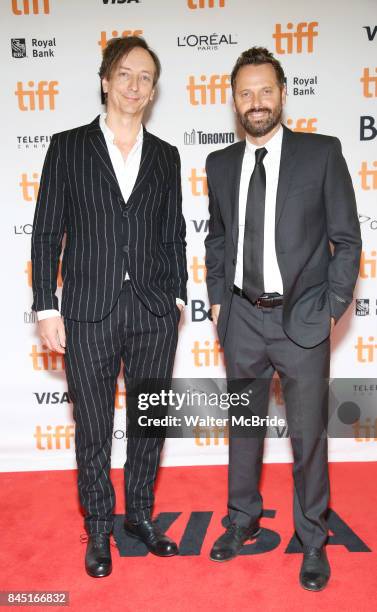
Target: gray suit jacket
point(317, 233)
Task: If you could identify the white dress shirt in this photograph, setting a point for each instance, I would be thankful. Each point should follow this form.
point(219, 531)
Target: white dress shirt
point(126, 172)
point(271, 272)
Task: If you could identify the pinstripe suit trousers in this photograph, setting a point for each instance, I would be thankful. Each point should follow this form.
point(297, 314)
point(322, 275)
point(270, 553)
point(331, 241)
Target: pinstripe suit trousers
point(146, 343)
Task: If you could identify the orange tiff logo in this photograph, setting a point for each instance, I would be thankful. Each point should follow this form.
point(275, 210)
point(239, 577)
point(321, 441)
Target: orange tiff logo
point(36, 6)
point(29, 187)
point(369, 83)
point(368, 266)
point(199, 185)
point(207, 353)
point(34, 98)
point(366, 351)
point(201, 4)
point(211, 435)
point(302, 125)
point(284, 41)
point(368, 176)
point(46, 360)
point(29, 274)
point(114, 34)
point(199, 270)
point(53, 436)
point(212, 92)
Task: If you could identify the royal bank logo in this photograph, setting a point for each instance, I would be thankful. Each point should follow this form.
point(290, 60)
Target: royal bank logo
point(361, 307)
point(206, 42)
point(18, 47)
point(198, 137)
point(303, 86)
point(40, 47)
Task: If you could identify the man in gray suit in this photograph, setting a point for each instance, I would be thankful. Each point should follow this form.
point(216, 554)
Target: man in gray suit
point(282, 256)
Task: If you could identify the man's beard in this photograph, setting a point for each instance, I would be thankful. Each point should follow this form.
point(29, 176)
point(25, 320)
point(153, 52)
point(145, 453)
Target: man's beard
point(262, 126)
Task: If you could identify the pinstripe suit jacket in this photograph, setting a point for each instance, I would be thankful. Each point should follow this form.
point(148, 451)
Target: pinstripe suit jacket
point(105, 236)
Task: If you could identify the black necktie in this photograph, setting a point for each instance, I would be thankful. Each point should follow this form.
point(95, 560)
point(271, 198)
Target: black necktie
point(253, 283)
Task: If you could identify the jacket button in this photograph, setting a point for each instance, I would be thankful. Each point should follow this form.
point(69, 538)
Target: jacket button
point(230, 287)
point(125, 213)
point(125, 248)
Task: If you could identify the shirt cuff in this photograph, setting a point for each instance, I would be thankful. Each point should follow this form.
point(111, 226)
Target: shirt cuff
point(179, 301)
point(47, 314)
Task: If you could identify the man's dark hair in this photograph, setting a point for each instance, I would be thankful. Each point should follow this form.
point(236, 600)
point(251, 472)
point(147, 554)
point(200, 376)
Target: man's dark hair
point(117, 48)
point(255, 57)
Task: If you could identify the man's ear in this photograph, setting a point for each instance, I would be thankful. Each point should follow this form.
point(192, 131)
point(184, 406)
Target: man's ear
point(284, 95)
point(105, 85)
point(152, 94)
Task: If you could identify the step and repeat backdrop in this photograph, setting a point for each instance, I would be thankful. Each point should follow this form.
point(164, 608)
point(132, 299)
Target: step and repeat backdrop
point(51, 52)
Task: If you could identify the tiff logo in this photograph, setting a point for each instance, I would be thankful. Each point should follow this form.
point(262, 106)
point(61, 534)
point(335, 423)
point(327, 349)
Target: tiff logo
point(53, 436)
point(201, 4)
point(302, 125)
point(199, 270)
point(36, 6)
point(366, 351)
point(369, 83)
point(284, 41)
point(368, 176)
point(199, 185)
point(115, 34)
point(216, 88)
point(27, 98)
point(368, 266)
point(29, 187)
point(46, 360)
point(207, 353)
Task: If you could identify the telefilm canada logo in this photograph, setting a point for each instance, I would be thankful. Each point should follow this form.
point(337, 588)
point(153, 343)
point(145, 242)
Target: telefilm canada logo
point(206, 42)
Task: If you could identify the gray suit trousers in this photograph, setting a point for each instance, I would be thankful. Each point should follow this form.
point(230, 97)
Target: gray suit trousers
point(255, 347)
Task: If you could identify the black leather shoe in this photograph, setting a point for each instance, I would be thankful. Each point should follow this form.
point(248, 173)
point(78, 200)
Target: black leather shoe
point(151, 535)
point(315, 569)
point(230, 543)
point(98, 556)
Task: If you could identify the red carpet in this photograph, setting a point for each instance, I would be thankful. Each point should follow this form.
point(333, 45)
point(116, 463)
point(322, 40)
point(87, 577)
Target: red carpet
point(41, 549)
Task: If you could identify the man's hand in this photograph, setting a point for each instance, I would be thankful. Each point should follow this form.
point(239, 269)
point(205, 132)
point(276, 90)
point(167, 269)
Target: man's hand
point(332, 324)
point(52, 333)
point(215, 311)
point(180, 306)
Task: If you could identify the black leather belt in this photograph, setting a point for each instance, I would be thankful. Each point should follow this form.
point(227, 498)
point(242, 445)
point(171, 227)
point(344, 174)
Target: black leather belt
point(267, 300)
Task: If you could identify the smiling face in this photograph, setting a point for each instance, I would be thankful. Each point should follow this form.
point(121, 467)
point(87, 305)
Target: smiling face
point(130, 87)
point(258, 99)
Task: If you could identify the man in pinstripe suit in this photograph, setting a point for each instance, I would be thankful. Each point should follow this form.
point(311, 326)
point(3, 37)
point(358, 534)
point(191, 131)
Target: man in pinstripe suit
point(115, 190)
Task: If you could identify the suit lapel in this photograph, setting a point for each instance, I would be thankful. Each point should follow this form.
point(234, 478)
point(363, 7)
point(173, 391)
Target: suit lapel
point(103, 160)
point(235, 179)
point(101, 155)
point(287, 163)
point(147, 158)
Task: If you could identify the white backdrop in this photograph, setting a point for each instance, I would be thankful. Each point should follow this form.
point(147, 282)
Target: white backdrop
point(50, 53)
